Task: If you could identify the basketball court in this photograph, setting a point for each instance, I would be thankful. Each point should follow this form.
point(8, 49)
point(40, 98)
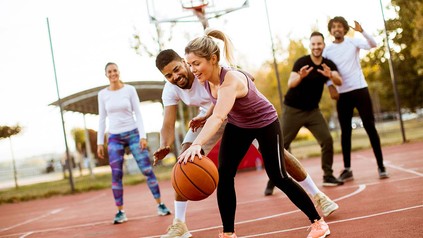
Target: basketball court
point(369, 207)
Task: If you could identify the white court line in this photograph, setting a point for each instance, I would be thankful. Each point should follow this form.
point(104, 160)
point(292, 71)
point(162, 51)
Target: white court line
point(25, 235)
point(55, 211)
point(360, 189)
point(33, 219)
point(75, 226)
point(338, 221)
point(405, 170)
point(387, 164)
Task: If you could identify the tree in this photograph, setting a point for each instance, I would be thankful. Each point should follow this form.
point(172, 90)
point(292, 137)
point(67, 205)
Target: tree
point(162, 36)
point(266, 78)
point(8, 132)
point(404, 33)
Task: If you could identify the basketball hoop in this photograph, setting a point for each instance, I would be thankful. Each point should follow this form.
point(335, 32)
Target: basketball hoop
point(198, 7)
point(194, 4)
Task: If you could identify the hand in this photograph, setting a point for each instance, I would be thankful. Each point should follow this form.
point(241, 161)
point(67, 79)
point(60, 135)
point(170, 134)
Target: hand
point(333, 92)
point(160, 154)
point(304, 71)
point(100, 151)
point(143, 143)
point(190, 153)
point(197, 122)
point(326, 71)
point(357, 27)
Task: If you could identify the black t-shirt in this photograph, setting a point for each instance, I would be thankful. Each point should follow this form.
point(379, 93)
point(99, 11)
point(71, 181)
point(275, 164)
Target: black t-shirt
point(307, 94)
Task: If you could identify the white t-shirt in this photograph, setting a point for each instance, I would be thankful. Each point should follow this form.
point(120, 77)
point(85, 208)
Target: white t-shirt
point(195, 96)
point(122, 109)
point(346, 56)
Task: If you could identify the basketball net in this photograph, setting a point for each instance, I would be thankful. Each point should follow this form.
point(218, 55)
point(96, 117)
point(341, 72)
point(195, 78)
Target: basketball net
point(199, 9)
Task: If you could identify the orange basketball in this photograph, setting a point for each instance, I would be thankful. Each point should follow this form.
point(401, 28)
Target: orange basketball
point(195, 180)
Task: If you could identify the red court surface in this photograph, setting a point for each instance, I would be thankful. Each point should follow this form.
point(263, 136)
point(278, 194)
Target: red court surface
point(369, 207)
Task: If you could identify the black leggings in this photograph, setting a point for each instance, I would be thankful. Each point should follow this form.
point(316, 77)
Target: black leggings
point(234, 145)
point(361, 100)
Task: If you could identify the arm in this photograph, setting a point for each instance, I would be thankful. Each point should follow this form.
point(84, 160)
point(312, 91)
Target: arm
point(200, 120)
point(333, 75)
point(101, 127)
point(370, 40)
point(167, 133)
point(232, 88)
point(135, 102)
point(333, 92)
point(336, 78)
point(295, 78)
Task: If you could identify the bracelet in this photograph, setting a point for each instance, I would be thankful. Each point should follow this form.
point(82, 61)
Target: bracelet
point(195, 145)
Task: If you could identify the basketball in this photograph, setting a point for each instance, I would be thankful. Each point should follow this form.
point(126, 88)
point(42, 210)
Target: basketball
point(195, 180)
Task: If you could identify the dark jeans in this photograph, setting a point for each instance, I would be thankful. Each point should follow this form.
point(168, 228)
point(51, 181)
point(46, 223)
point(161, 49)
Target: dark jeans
point(361, 100)
point(293, 119)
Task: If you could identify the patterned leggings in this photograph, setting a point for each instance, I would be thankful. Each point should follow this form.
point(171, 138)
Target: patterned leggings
point(116, 149)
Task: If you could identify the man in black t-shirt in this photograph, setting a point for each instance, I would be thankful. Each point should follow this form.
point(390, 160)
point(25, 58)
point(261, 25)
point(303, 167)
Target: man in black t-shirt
point(305, 87)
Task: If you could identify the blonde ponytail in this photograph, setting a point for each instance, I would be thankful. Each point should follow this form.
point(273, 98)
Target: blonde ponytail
point(205, 46)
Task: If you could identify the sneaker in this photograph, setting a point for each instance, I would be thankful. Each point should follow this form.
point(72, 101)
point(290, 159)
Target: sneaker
point(223, 235)
point(269, 188)
point(331, 181)
point(120, 217)
point(325, 203)
point(319, 229)
point(383, 174)
point(178, 229)
point(162, 210)
point(346, 175)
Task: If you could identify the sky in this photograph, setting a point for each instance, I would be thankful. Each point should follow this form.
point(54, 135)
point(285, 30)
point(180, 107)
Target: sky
point(85, 35)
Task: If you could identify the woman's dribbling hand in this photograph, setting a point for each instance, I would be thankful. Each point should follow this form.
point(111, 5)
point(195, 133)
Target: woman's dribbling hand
point(190, 153)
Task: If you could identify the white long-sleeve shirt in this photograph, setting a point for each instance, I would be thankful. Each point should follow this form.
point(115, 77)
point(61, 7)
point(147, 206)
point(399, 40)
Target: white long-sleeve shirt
point(346, 56)
point(122, 109)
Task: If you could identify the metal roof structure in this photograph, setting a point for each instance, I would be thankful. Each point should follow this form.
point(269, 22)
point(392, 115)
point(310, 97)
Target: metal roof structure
point(85, 102)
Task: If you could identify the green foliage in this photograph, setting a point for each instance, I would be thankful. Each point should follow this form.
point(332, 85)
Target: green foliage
point(406, 45)
point(9, 131)
point(266, 78)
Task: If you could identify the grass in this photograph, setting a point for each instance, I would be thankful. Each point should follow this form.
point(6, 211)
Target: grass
point(82, 184)
point(390, 134)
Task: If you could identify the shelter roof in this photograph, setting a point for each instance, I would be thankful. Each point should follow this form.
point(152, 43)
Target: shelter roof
point(85, 102)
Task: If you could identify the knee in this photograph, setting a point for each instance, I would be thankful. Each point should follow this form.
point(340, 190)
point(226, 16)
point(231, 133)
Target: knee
point(147, 171)
point(327, 142)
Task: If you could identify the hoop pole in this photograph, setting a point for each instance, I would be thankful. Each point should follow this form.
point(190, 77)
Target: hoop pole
point(70, 164)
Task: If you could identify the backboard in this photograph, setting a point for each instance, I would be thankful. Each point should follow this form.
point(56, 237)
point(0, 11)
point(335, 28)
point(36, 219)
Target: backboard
point(172, 11)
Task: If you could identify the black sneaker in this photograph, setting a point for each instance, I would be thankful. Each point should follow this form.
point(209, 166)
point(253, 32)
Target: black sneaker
point(382, 173)
point(346, 175)
point(331, 181)
point(269, 188)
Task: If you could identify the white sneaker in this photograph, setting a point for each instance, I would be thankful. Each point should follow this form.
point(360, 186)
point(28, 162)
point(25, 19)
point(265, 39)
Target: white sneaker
point(325, 203)
point(177, 230)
